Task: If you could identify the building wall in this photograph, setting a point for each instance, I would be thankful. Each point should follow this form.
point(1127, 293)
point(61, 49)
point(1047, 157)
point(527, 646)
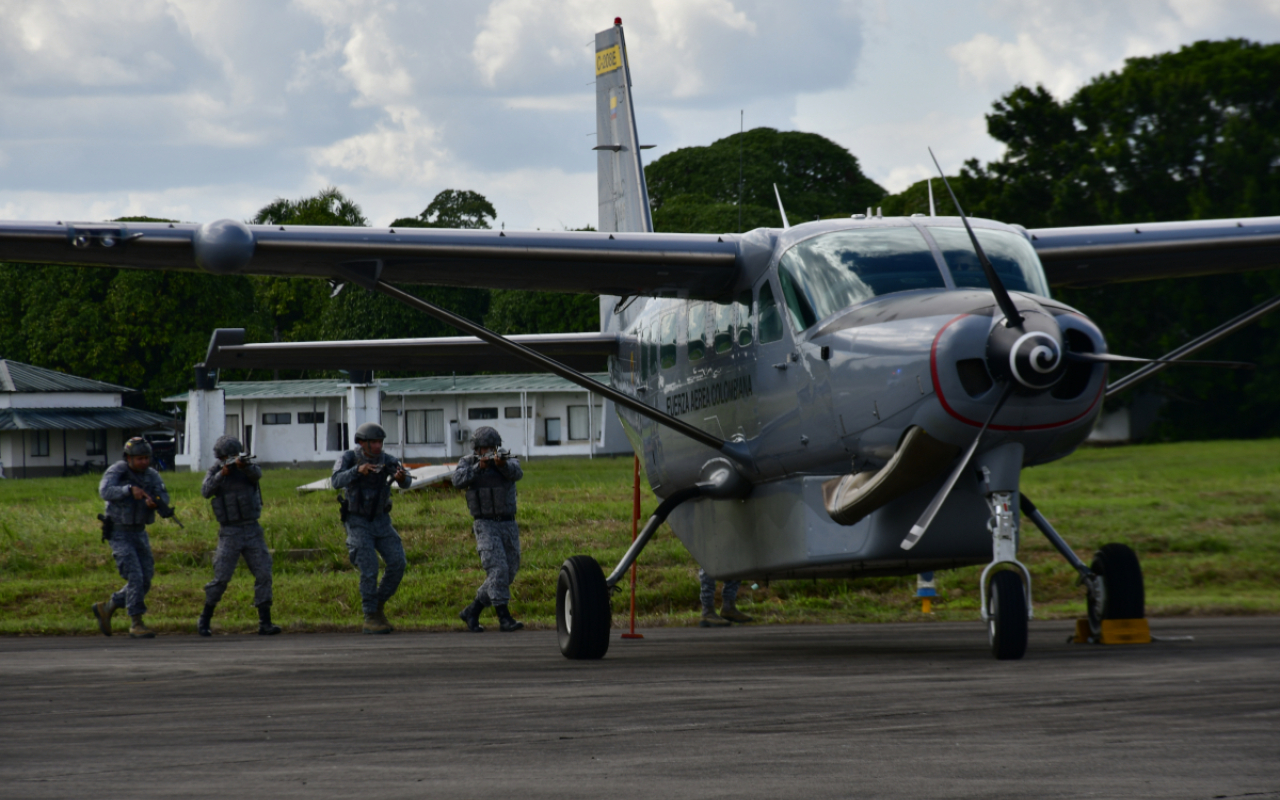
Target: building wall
point(59, 400)
point(14, 445)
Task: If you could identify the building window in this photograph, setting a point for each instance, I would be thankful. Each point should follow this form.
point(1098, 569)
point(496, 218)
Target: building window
point(597, 420)
point(95, 443)
point(482, 413)
point(391, 424)
point(277, 419)
point(232, 427)
point(553, 430)
point(310, 417)
point(424, 427)
point(40, 443)
point(578, 423)
point(513, 412)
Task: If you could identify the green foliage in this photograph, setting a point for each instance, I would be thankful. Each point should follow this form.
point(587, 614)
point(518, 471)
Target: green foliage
point(452, 208)
point(1193, 134)
point(698, 213)
point(815, 176)
point(512, 311)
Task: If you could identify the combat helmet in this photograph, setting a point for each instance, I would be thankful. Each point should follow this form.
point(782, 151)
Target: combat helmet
point(484, 437)
point(137, 446)
point(369, 432)
point(227, 446)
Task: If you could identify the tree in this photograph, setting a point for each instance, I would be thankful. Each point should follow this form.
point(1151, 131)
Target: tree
point(452, 208)
point(815, 176)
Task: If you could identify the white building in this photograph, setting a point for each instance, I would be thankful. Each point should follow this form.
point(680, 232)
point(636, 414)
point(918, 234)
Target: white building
point(428, 420)
point(51, 422)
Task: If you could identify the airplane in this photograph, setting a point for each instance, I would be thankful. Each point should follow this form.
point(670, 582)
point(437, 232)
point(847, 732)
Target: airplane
point(838, 398)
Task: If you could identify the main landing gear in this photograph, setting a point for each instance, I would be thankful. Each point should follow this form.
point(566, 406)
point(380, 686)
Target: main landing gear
point(583, 613)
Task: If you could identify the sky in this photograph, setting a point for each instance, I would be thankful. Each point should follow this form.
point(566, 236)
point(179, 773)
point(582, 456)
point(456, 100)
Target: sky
point(206, 109)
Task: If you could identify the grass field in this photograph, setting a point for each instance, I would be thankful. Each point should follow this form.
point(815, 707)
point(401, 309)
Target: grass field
point(1204, 518)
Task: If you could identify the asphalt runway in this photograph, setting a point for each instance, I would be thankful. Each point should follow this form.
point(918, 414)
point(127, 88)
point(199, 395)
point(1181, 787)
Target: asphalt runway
point(904, 710)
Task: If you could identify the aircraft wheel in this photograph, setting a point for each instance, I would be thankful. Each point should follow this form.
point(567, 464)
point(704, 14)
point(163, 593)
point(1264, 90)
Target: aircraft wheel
point(583, 612)
point(1122, 594)
point(1007, 616)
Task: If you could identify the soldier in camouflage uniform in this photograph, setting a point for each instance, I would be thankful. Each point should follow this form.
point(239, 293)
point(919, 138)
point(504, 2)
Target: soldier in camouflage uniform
point(232, 485)
point(489, 475)
point(133, 492)
point(728, 607)
point(364, 475)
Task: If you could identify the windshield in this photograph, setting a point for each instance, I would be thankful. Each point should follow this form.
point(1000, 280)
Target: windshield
point(831, 272)
point(1012, 255)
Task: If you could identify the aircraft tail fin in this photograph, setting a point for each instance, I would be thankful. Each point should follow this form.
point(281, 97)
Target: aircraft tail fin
point(623, 194)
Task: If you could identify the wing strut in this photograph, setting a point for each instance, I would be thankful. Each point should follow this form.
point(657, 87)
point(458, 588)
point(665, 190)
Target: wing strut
point(735, 450)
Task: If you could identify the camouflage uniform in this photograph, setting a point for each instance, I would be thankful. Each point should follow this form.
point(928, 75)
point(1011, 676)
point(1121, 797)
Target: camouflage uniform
point(368, 524)
point(491, 499)
point(237, 504)
point(708, 593)
point(129, 542)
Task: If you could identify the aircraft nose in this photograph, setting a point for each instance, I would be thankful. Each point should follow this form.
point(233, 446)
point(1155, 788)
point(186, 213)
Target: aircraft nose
point(1030, 354)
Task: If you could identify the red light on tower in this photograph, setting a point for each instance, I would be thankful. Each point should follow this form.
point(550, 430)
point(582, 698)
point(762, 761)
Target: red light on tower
point(617, 20)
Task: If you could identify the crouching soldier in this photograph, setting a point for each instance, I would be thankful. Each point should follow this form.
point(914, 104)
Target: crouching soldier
point(232, 486)
point(133, 492)
point(489, 475)
point(364, 475)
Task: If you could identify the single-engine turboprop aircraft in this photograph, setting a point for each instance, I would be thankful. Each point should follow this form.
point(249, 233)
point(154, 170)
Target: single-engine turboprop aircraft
point(837, 398)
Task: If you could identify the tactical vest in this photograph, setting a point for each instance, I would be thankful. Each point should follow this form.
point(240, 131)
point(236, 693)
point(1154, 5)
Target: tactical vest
point(370, 495)
point(130, 511)
point(491, 496)
point(238, 500)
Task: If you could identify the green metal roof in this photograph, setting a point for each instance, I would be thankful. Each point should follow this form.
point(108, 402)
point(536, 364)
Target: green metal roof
point(57, 419)
point(434, 385)
point(18, 377)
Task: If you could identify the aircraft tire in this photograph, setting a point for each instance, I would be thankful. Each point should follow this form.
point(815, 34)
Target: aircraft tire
point(583, 611)
point(1007, 616)
point(1123, 593)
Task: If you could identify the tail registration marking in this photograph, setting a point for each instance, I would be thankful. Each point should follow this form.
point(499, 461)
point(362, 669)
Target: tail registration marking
point(608, 60)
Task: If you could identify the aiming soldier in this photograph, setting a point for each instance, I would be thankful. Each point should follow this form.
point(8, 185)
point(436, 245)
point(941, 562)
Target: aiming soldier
point(364, 475)
point(134, 492)
point(232, 486)
point(489, 475)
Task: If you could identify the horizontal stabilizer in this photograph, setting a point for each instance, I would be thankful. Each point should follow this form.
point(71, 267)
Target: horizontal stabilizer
point(585, 352)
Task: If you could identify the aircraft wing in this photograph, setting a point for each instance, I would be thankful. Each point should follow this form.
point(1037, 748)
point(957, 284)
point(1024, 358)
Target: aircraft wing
point(585, 352)
point(624, 264)
point(1093, 255)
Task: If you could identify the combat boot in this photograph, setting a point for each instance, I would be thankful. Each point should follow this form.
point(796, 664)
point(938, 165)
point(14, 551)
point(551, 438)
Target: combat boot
point(138, 630)
point(471, 616)
point(382, 615)
point(506, 622)
point(206, 618)
point(376, 623)
point(265, 628)
point(102, 612)
point(711, 620)
point(729, 610)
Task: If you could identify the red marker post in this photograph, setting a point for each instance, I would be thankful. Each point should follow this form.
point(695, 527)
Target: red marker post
point(635, 531)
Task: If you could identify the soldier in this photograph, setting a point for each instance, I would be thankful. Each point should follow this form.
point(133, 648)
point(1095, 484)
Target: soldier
point(133, 492)
point(728, 607)
point(365, 474)
point(232, 484)
point(489, 475)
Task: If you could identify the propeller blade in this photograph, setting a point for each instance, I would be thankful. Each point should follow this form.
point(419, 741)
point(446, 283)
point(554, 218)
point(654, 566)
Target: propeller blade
point(1111, 358)
point(1003, 299)
point(922, 525)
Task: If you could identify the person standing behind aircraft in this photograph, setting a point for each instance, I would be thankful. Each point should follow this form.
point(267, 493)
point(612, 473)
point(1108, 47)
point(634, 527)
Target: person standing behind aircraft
point(232, 485)
point(489, 475)
point(728, 607)
point(364, 476)
point(131, 489)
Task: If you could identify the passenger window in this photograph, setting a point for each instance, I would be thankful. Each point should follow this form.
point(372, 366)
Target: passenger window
point(744, 318)
point(697, 331)
point(725, 319)
point(667, 354)
point(770, 321)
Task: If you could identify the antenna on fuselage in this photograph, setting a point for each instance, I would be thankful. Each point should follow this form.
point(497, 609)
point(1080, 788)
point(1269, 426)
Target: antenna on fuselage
point(781, 210)
point(933, 212)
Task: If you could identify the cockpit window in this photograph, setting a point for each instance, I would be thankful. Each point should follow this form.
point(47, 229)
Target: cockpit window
point(827, 273)
point(1012, 255)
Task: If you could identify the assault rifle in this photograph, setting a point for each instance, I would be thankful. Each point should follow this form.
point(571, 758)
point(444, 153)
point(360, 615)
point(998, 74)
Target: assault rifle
point(239, 462)
point(162, 508)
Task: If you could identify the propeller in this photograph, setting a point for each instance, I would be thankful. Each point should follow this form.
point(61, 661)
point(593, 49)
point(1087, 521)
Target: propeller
point(1112, 358)
point(935, 505)
point(1012, 317)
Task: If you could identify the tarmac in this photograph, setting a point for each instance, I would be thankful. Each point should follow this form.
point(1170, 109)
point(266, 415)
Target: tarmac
point(897, 710)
